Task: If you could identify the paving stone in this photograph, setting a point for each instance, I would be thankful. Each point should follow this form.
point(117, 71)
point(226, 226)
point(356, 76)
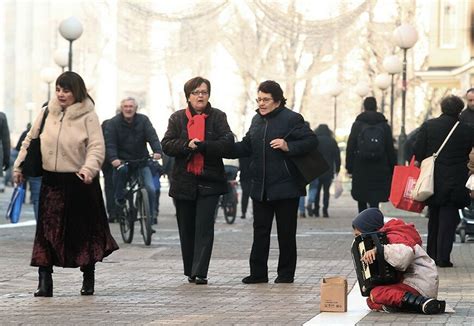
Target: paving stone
point(145, 285)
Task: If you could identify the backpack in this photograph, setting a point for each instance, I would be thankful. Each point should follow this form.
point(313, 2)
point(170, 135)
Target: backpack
point(371, 142)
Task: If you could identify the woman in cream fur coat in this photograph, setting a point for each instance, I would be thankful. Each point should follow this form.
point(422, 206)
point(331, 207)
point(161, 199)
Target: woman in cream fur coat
point(72, 228)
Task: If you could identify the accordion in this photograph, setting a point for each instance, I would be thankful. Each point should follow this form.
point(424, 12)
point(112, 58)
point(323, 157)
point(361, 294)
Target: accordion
point(377, 273)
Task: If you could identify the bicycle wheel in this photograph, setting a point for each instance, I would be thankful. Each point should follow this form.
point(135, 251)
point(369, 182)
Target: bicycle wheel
point(144, 215)
point(126, 223)
point(217, 208)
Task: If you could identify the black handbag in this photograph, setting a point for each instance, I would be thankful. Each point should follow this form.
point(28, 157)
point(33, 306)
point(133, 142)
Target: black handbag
point(32, 165)
point(310, 165)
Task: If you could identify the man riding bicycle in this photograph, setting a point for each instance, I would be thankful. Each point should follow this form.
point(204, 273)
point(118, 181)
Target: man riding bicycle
point(126, 138)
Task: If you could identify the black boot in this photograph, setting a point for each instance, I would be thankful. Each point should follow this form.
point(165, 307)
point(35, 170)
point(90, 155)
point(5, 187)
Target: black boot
point(421, 304)
point(310, 210)
point(45, 285)
point(325, 212)
point(88, 280)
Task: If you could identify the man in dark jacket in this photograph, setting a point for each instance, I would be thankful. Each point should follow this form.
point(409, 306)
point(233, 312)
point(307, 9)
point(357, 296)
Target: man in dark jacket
point(371, 171)
point(450, 176)
point(467, 115)
point(4, 148)
point(276, 134)
point(126, 137)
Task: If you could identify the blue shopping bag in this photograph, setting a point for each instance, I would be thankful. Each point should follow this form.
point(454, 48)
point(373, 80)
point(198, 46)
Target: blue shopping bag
point(14, 208)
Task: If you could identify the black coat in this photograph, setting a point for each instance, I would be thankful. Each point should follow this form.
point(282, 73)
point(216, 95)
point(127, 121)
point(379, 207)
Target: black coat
point(330, 151)
point(467, 117)
point(451, 172)
point(218, 140)
point(128, 141)
point(371, 180)
point(273, 175)
point(4, 141)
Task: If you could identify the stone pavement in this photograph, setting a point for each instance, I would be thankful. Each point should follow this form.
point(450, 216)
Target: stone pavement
point(145, 285)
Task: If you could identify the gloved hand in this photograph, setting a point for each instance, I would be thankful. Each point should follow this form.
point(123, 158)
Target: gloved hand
point(201, 146)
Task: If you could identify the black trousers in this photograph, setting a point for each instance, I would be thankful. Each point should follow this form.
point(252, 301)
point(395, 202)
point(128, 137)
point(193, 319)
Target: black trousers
point(196, 233)
point(244, 200)
point(362, 205)
point(323, 184)
point(442, 225)
point(285, 212)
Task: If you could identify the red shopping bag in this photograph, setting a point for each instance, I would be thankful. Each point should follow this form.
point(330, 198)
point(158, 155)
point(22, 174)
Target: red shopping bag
point(403, 181)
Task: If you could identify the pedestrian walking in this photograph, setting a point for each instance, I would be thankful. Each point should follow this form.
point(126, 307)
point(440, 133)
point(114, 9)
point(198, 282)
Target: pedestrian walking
point(275, 179)
point(370, 157)
point(34, 183)
point(72, 228)
point(197, 137)
point(467, 115)
point(450, 176)
point(4, 149)
point(332, 154)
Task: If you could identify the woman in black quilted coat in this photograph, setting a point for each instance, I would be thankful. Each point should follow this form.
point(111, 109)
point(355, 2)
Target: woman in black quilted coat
point(276, 134)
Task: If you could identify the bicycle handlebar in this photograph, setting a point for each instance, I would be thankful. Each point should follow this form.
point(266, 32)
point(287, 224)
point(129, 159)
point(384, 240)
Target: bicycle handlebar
point(137, 161)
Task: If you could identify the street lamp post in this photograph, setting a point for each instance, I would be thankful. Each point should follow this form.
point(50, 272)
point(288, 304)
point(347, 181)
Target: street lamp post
point(335, 91)
point(362, 89)
point(48, 74)
point(30, 106)
point(382, 81)
point(71, 30)
point(392, 65)
point(405, 37)
point(61, 58)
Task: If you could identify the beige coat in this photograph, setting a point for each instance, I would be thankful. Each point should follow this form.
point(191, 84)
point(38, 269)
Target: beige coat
point(470, 165)
point(71, 141)
point(419, 270)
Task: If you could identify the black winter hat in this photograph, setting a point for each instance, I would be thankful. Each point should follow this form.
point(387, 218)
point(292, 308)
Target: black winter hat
point(369, 220)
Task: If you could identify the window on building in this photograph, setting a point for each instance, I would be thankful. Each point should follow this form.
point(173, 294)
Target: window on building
point(447, 26)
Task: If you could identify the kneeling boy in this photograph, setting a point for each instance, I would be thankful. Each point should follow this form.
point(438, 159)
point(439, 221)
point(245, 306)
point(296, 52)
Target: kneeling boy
point(418, 287)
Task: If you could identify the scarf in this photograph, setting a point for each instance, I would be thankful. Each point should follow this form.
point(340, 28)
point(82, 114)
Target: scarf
point(196, 129)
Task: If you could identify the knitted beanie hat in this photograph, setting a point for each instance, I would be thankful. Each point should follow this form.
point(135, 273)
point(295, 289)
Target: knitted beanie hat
point(369, 220)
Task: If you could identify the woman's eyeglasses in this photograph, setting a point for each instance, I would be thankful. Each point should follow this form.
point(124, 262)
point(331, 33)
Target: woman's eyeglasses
point(203, 93)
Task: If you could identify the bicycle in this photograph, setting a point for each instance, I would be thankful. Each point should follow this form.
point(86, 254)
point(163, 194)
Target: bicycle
point(137, 204)
point(228, 202)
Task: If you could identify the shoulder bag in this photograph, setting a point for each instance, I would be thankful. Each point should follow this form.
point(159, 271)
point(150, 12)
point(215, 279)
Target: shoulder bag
point(32, 165)
point(310, 165)
point(424, 187)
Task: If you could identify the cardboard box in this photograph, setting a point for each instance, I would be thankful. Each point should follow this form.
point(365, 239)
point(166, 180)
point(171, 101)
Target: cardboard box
point(333, 294)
